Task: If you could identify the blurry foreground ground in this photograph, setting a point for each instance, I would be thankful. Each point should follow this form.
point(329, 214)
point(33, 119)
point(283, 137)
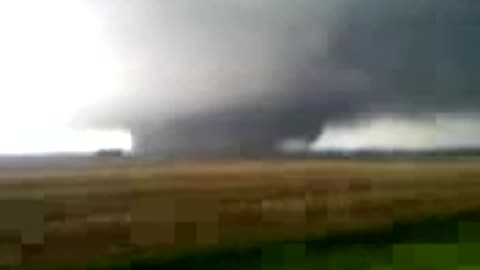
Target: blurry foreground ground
point(107, 211)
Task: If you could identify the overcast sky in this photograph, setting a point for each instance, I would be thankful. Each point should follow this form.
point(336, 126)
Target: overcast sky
point(231, 76)
point(252, 73)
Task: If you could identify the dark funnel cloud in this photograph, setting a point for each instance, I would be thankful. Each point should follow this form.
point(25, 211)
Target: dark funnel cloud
point(231, 77)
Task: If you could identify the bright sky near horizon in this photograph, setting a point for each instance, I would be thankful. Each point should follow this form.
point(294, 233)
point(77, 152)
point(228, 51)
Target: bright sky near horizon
point(54, 64)
point(438, 131)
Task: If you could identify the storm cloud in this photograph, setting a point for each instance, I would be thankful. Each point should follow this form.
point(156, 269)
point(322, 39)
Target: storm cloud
point(238, 77)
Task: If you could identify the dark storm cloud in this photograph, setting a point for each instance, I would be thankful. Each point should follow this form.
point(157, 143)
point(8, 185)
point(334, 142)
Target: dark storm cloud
point(225, 76)
point(418, 55)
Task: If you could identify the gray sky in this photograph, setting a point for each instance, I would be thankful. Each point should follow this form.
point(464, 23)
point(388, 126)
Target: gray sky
point(230, 75)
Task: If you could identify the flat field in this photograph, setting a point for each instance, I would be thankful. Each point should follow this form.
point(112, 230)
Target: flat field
point(105, 209)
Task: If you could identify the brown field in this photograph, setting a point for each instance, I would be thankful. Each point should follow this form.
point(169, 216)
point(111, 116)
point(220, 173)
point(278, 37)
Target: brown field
point(101, 210)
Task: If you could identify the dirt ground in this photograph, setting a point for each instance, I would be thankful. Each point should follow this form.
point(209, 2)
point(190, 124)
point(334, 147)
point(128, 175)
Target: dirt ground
point(55, 216)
